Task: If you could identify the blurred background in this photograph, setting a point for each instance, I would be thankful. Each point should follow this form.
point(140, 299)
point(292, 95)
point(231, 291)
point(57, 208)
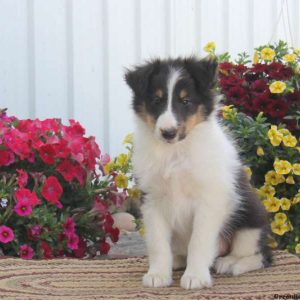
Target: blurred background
point(66, 58)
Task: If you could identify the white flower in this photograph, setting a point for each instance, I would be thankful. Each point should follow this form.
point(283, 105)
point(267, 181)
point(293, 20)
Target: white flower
point(3, 202)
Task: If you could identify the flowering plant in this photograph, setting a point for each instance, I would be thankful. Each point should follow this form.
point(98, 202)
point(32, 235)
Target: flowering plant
point(270, 84)
point(272, 156)
point(56, 191)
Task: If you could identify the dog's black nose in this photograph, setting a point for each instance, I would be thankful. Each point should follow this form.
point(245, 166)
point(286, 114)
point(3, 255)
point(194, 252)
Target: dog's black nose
point(169, 134)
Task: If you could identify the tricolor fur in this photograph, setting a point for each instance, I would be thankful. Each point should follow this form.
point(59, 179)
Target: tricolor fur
point(197, 196)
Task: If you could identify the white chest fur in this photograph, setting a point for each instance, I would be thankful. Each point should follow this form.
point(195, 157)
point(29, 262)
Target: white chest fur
point(178, 177)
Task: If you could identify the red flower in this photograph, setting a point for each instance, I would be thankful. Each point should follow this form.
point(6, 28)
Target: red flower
point(69, 227)
point(114, 234)
point(294, 97)
point(259, 86)
point(26, 252)
point(100, 206)
point(261, 102)
point(23, 208)
point(236, 94)
point(6, 234)
point(67, 170)
point(277, 109)
point(18, 142)
point(22, 178)
point(47, 154)
point(104, 247)
point(34, 232)
point(46, 250)
point(279, 71)
point(6, 158)
point(52, 190)
point(259, 68)
point(61, 149)
point(25, 195)
point(81, 251)
point(73, 241)
point(75, 130)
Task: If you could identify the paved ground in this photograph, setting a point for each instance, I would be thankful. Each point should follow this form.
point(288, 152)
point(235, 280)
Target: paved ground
point(130, 244)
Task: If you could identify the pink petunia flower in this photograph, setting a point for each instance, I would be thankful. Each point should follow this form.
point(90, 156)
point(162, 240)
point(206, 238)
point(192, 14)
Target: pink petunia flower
point(6, 234)
point(22, 178)
point(46, 250)
point(25, 195)
point(23, 209)
point(52, 190)
point(69, 227)
point(26, 252)
point(73, 241)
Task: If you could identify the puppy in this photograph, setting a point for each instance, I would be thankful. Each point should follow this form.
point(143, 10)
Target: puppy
point(197, 196)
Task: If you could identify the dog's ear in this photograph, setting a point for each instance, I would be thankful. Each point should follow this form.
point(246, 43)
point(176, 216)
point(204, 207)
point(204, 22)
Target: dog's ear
point(204, 72)
point(139, 77)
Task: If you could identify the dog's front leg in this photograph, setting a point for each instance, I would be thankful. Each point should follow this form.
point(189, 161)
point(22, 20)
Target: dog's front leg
point(202, 248)
point(158, 239)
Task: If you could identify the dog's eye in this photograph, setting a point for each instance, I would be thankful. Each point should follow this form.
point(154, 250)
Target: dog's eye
point(157, 100)
point(185, 101)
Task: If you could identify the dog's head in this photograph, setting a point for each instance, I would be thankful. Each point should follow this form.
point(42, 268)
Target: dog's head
point(173, 96)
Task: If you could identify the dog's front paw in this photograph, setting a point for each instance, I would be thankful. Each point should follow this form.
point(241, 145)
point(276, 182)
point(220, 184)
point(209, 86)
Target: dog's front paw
point(196, 281)
point(156, 280)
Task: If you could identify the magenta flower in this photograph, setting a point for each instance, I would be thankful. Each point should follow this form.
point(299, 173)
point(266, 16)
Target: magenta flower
point(73, 241)
point(26, 252)
point(69, 227)
point(23, 209)
point(6, 234)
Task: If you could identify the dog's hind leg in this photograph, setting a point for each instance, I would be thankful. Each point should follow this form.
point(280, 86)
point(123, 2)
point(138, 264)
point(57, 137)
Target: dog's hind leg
point(249, 252)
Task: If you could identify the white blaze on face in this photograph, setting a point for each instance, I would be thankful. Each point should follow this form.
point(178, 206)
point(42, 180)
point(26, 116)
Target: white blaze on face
point(167, 120)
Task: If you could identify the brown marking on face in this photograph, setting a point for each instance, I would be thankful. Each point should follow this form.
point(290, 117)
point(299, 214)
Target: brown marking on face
point(183, 94)
point(148, 119)
point(159, 93)
point(191, 122)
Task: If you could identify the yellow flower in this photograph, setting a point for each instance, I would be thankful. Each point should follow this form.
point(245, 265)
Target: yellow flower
point(298, 149)
point(297, 249)
point(290, 180)
point(284, 131)
point(296, 169)
point(128, 139)
point(282, 167)
point(209, 47)
point(279, 229)
point(297, 51)
point(272, 204)
point(260, 151)
point(277, 87)
point(122, 160)
point(285, 203)
point(266, 191)
point(121, 181)
point(275, 136)
point(226, 110)
point(290, 226)
point(248, 172)
point(134, 193)
point(289, 57)
point(255, 57)
point(108, 167)
point(267, 54)
point(296, 199)
point(289, 141)
point(280, 218)
point(273, 178)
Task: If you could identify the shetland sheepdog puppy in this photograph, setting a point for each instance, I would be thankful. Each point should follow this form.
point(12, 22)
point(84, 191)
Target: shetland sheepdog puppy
point(199, 209)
